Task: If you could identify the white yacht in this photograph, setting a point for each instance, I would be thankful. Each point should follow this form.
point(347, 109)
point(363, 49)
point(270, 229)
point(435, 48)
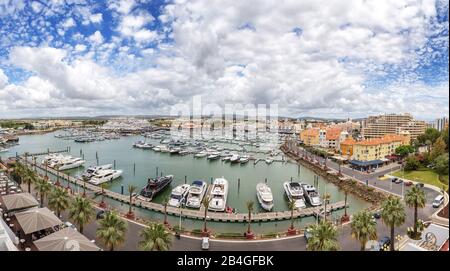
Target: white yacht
point(158, 148)
point(244, 159)
point(196, 193)
point(269, 160)
point(164, 149)
point(294, 192)
point(105, 175)
point(235, 158)
point(213, 156)
point(93, 169)
point(311, 195)
point(265, 197)
point(4, 150)
point(219, 194)
point(201, 154)
point(178, 195)
point(67, 163)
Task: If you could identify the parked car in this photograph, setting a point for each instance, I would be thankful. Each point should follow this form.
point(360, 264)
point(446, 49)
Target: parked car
point(438, 201)
point(205, 243)
point(420, 185)
point(398, 181)
point(394, 179)
point(377, 215)
point(307, 234)
point(384, 242)
point(408, 183)
point(100, 214)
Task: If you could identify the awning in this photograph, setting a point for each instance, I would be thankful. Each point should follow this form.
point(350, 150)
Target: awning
point(36, 220)
point(365, 163)
point(66, 239)
point(19, 201)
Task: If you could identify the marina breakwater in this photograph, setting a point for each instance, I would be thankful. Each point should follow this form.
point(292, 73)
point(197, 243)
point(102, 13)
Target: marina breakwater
point(190, 213)
point(367, 193)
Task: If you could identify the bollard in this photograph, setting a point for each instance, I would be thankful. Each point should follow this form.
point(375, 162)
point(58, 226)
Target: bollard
point(134, 168)
point(185, 179)
point(211, 180)
point(291, 179)
point(114, 164)
point(156, 172)
point(121, 191)
point(265, 180)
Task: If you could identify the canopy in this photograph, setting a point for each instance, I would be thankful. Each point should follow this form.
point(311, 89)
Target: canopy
point(37, 219)
point(66, 239)
point(19, 201)
point(365, 163)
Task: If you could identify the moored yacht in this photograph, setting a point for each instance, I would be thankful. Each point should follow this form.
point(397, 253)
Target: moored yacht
point(269, 160)
point(294, 192)
point(213, 156)
point(311, 195)
point(244, 159)
point(235, 158)
point(201, 154)
point(93, 169)
point(105, 175)
point(67, 163)
point(178, 195)
point(219, 194)
point(154, 186)
point(196, 193)
point(265, 197)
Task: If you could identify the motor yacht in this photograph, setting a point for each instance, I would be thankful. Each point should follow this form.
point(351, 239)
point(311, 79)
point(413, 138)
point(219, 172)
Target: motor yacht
point(219, 194)
point(196, 193)
point(311, 195)
point(154, 186)
point(104, 175)
point(265, 197)
point(93, 169)
point(294, 192)
point(178, 195)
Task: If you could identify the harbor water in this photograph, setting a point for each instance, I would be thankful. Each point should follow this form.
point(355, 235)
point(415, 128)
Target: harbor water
point(140, 164)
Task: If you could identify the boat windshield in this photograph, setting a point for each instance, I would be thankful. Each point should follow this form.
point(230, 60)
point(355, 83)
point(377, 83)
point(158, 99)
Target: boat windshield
point(177, 197)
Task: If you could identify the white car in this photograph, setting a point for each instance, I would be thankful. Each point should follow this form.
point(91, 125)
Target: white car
point(205, 243)
point(438, 201)
point(70, 225)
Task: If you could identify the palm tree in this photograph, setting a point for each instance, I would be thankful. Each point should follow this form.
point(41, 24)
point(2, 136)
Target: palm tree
point(58, 200)
point(43, 187)
point(81, 211)
point(364, 228)
point(249, 205)
point(415, 197)
point(206, 200)
point(102, 203)
point(165, 202)
point(291, 206)
point(324, 237)
point(393, 215)
point(131, 189)
point(112, 230)
point(85, 179)
point(155, 237)
point(29, 177)
point(326, 199)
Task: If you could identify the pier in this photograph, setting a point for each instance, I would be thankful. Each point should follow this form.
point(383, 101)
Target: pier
point(192, 213)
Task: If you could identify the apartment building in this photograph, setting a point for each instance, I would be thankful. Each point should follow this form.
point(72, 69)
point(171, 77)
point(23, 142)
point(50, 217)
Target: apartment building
point(310, 137)
point(378, 126)
point(373, 148)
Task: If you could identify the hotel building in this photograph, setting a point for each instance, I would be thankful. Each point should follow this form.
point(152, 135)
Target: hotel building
point(378, 126)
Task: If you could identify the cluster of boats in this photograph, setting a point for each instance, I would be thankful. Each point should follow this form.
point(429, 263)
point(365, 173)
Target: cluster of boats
point(94, 174)
point(191, 195)
point(84, 136)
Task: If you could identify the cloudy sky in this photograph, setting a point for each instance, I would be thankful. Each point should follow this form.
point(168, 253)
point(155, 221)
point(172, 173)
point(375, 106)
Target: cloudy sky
point(331, 58)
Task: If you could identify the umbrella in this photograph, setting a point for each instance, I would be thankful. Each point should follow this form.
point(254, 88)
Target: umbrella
point(19, 201)
point(36, 220)
point(66, 239)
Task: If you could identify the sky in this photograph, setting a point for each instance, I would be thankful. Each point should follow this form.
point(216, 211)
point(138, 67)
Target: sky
point(329, 59)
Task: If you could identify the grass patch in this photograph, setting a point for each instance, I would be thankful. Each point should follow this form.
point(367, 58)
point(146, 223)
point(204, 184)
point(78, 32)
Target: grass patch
point(423, 175)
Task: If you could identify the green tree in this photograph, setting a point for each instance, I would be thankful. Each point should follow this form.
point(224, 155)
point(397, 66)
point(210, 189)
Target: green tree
point(155, 237)
point(444, 135)
point(364, 228)
point(43, 187)
point(131, 190)
point(81, 211)
point(415, 197)
point(404, 150)
point(412, 163)
point(112, 230)
point(206, 200)
point(430, 134)
point(324, 237)
point(393, 215)
point(441, 163)
point(438, 148)
point(249, 205)
point(58, 200)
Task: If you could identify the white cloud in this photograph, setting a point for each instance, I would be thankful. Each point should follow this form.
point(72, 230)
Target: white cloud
point(96, 18)
point(122, 6)
point(69, 23)
point(80, 48)
point(96, 38)
point(3, 79)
